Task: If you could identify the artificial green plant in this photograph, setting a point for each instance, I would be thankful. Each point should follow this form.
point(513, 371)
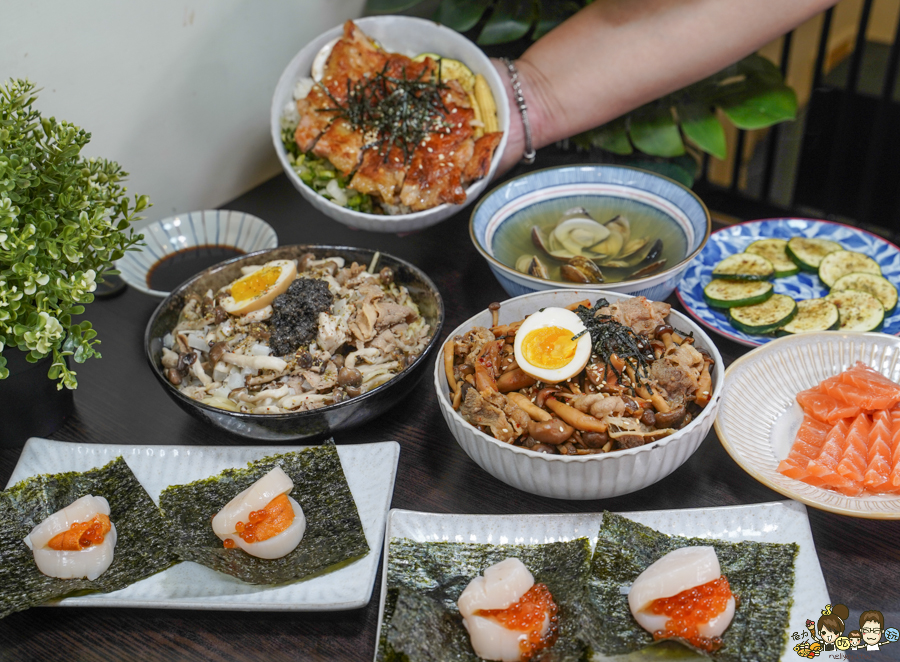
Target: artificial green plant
point(63, 223)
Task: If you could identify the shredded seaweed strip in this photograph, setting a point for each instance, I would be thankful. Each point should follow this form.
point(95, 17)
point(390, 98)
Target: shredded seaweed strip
point(761, 575)
point(143, 546)
point(609, 337)
point(424, 580)
point(334, 535)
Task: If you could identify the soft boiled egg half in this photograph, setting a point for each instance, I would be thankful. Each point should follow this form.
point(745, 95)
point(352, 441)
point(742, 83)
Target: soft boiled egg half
point(75, 542)
point(258, 289)
point(263, 520)
point(546, 347)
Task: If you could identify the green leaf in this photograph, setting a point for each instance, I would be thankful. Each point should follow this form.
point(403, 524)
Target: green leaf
point(654, 132)
point(389, 6)
point(552, 14)
point(460, 15)
point(612, 137)
point(700, 124)
point(764, 109)
point(509, 21)
point(673, 169)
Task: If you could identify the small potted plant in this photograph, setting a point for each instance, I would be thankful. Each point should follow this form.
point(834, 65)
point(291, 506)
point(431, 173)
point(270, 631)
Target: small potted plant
point(64, 221)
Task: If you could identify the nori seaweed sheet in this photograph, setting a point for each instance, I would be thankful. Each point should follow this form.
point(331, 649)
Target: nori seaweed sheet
point(761, 575)
point(424, 581)
point(143, 545)
point(334, 534)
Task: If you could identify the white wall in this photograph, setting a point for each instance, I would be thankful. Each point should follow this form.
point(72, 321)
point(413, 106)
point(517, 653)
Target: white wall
point(176, 91)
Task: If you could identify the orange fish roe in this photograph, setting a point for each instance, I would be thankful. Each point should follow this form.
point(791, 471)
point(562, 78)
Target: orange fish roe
point(268, 522)
point(527, 615)
point(229, 543)
point(690, 609)
point(82, 535)
point(255, 284)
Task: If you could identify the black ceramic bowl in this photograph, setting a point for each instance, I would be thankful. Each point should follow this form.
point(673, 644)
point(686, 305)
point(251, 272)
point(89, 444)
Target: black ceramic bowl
point(322, 421)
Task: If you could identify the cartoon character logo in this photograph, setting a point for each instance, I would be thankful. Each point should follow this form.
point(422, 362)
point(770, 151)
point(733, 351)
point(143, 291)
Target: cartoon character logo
point(828, 633)
point(829, 627)
point(871, 626)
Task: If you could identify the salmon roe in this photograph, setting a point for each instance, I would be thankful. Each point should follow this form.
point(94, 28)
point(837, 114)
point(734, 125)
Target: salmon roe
point(268, 522)
point(527, 615)
point(690, 609)
point(81, 535)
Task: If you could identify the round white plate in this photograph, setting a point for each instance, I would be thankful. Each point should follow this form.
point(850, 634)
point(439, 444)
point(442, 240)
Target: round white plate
point(759, 416)
point(735, 238)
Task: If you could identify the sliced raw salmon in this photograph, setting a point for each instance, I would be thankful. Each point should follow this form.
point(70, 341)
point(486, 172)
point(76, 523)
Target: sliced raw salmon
point(807, 446)
point(856, 453)
point(879, 458)
point(824, 407)
point(825, 465)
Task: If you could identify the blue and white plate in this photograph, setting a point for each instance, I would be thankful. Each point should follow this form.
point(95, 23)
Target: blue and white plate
point(216, 228)
point(804, 285)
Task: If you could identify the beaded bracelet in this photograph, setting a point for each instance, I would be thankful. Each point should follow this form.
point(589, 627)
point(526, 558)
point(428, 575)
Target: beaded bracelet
point(529, 154)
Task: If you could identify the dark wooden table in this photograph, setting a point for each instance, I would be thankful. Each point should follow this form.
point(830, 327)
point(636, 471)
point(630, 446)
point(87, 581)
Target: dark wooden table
point(119, 401)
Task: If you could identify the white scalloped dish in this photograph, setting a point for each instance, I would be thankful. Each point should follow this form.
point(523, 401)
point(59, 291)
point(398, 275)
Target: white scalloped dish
point(370, 470)
point(759, 417)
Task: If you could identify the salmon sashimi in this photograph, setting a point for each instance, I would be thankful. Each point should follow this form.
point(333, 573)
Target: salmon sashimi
point(807, 445)
point(395, 127)
point(879, 458)
point(849, 439)
point(824, 407)
point(893, 482)
point(825, 465)
point(856, 453)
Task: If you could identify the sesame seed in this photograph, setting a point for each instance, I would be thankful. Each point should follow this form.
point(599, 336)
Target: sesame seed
point(430, 150)
point(505, 430)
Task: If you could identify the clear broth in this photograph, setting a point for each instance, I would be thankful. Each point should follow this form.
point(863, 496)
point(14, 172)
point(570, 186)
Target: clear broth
point(513, 238)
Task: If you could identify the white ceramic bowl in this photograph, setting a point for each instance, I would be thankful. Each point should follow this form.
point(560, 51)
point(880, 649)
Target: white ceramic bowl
point(759, 417)
point(182, 232)
point(409, 36)
point(581, 476)
point(570, 185)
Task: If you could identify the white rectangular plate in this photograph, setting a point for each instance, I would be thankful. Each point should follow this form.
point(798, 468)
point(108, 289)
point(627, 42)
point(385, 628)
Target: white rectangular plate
point(370, 470)
point(779, 521)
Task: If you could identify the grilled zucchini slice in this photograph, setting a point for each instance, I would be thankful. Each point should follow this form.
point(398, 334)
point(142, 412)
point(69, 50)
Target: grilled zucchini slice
point(721, 293)
point(808, 252)
point(764, 317)
point(878, 286)
point(744, 266)
point(774, 250)
point(860, 311)
point(840, 263)
point(814, 315)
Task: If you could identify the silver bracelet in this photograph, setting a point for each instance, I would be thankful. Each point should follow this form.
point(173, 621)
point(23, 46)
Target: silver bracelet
point(529, 154)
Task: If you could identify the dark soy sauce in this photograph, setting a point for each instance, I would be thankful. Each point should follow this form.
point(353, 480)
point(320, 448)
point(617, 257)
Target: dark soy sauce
point(174, 269)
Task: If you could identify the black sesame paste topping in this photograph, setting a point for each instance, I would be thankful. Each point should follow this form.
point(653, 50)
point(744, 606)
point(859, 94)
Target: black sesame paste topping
point(295, 320)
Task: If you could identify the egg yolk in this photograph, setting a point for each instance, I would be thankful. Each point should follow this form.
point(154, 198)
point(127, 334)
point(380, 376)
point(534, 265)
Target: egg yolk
point(549, 347)
point(527, 615)
point(691, 608)
point(252, 285)
point(266, 523)
point(81, 535)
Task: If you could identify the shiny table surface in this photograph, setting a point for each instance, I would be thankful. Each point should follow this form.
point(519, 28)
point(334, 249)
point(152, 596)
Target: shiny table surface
point(119, 401)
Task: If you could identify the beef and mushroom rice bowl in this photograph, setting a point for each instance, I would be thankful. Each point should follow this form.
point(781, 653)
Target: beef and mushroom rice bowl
point(294, 335)
point(581, 380)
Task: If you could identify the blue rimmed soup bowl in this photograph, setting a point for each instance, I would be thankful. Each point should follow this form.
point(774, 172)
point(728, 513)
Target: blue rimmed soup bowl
point(658, 208)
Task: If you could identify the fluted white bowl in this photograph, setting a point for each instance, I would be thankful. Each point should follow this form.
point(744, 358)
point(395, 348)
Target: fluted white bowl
point(582, 477)
point(220, 228)
point(410, 36)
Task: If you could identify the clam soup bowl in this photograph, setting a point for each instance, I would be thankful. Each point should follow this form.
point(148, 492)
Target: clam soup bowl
point(409, 36)
point(600, 476)
point(316, 422)
point(553, 190)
